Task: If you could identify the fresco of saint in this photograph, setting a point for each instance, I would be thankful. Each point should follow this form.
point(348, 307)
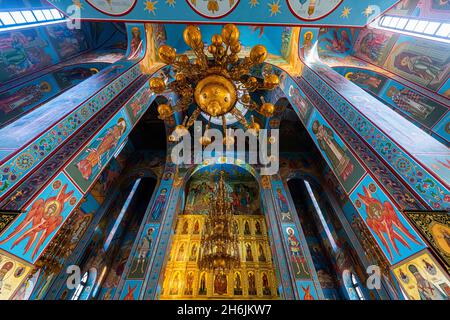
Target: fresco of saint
point(108, 143)
point(410, 102)
point(220, 283)
point(296, 255)
point(336, 154)
point(158, 206)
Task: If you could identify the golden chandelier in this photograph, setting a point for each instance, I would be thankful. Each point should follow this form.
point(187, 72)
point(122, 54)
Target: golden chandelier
point(214, 81)
point(219, 249)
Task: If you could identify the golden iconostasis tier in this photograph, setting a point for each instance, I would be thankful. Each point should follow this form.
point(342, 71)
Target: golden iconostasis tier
point(254, 279)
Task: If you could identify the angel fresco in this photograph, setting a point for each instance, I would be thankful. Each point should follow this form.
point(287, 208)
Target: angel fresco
point(385, 223)
point(44, 217)
point(337, 43)
point(108, 142)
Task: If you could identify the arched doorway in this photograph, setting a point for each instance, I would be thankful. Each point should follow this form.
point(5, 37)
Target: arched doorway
point(255, 277)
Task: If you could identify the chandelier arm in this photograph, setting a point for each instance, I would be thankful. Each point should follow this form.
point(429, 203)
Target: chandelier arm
point(239, 116)
point(193, 117)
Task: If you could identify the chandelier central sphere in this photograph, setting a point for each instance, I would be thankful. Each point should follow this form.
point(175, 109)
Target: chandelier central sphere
point(216, 80)
point(215, 95)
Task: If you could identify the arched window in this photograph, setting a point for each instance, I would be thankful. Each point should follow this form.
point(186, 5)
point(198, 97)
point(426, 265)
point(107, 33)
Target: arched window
point(87, 282)
point(352, 285)
point(357, 287)
point(81, 286)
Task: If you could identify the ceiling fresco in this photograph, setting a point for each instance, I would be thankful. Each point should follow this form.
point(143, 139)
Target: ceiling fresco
point(277, 12)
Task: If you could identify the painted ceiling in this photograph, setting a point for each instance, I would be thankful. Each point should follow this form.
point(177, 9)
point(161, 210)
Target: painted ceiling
point(267, 12)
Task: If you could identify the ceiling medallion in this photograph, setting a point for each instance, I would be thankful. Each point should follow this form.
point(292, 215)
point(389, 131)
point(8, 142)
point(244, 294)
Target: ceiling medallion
point(216, 82)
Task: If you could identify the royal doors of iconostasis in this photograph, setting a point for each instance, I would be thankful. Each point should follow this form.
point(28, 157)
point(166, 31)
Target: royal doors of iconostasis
point(267, 258)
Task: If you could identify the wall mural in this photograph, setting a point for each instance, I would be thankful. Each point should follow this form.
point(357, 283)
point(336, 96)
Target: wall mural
point(435, 228)
point(213, 8)
point(136, 43)
point(335, 41)
point(336, 153)
point(328, 12)
point(373, 45)
point(423, 9)
point(23, 98)
point(423, 279)
point(139, 103)
point(411, 103)
point(85, 167)
point(23, 52)
point(421, 61)
point(30, 233)
point(113, 7)
point(30, 156)
point(312, 9)
point(12, 273)
point(244, 191)
point(141, 259)
point(356, 109)
point(394, 235)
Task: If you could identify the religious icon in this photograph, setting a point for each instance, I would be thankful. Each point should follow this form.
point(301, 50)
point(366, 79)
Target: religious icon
point(196, 228)
point(237, 284)
point(265, 285)
point(411, 102)
point(258, 228)
point(202, 286)
point(338, 43)
point(185, 228)
point(261, 257)
point(426, 289)
point(381, 219)
point(247, 228)
point(336, 154)
point(282, 201)
point(435, 227)
point(159, 205)
point(248, 251)
point(175, 284)
point(180, 256)
point(235, 227)
point(421, 66)
point(189, 282)
point(26, 96)
point(297, 258)
point(251, 284)
point(368, 81)
point(5, 268)
point(108, 143)
point(136, 43)
point(220, 283)
point(193, 256)
point(44, 217)
point(423, 279)
point(143, 252)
